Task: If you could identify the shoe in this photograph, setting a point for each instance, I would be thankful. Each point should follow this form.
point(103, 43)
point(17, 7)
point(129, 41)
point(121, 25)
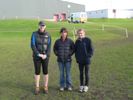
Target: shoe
point(86, 88)
point(69, 88)
point(81, 88)
point(37, 90)
point(46, 90)
point(61, 89)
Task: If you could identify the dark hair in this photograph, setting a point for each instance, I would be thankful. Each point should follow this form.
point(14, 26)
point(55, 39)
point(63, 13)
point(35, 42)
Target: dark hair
point(63, 29)
point(41, 23)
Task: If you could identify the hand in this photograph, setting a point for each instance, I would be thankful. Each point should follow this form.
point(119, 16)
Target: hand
point(44, 56)
point(40, 55)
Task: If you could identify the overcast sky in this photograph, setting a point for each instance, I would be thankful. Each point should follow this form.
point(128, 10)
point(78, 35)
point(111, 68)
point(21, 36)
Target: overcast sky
point(103, 4)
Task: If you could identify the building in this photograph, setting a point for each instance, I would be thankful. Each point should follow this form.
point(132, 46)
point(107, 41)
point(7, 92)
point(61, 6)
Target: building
point(37, 8)
point(111, 13)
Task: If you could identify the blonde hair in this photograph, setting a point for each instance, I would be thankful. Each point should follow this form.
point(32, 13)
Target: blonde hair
point(79, 30)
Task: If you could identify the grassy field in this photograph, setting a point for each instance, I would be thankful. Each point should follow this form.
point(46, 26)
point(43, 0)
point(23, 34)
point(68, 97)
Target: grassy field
point(111, 70)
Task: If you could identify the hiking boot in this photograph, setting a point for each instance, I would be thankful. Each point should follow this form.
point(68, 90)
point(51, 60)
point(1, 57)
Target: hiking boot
point(46, 90)
point(37, 90)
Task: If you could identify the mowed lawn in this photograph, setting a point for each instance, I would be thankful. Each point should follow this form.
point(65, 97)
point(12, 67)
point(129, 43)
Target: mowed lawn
point(111, 70)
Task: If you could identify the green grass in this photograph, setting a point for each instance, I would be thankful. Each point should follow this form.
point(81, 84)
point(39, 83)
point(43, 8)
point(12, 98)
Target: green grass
point(111, 70)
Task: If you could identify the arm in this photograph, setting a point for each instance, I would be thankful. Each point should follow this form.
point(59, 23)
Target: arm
point(75, 46)
point(72, 48)
point(49, 46)
point(33, 45)
point(90, 51)
point(55, 49)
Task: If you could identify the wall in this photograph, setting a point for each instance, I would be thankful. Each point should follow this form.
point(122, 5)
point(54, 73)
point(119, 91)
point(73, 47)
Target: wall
point(36, 8)
point(120, 13)
point(98, 14)
point(108, 13)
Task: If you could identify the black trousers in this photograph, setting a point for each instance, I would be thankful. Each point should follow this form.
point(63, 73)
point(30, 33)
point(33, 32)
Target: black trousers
point(38, 62)
point(84, 68)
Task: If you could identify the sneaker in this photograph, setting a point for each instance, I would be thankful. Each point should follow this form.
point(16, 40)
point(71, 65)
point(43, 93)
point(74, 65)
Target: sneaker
point(86, 88)
point(69, 88)
point(81, 88)
point(61, 89)
point(46, 90)
point(37, 90)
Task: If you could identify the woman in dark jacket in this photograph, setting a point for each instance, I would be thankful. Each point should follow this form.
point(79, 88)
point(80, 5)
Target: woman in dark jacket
point(41, 45)
point(64, 49)
point(83, 53)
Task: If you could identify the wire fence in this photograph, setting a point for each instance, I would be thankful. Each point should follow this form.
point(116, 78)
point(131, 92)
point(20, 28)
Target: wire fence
point(100, 27)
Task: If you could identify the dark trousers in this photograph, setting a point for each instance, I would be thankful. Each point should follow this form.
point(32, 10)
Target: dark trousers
point(84, 68)
point(40, 62)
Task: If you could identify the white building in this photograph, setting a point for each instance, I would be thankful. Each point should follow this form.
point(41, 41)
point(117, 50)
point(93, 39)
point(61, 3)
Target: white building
point(111, 13)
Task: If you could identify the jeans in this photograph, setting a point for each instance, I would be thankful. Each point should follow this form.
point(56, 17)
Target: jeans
point(65, 77)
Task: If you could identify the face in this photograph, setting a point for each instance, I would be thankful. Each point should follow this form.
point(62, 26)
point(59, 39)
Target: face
point(42, 28)
point(81, 34)
point(64, 35)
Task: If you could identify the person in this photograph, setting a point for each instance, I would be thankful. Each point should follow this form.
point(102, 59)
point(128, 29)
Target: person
point(41, 45)
point(83, 53)
point(72, 18)
point(64, 49)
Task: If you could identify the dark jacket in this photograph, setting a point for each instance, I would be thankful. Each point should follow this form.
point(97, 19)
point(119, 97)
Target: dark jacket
point(41, 43)
point(83, 50)
point(64, 50)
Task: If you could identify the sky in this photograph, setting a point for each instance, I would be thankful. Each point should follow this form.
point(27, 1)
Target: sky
point(104, 4)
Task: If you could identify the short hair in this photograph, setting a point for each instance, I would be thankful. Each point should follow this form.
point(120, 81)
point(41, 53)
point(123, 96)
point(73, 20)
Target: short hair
point(79, 30)
point(63, 29)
